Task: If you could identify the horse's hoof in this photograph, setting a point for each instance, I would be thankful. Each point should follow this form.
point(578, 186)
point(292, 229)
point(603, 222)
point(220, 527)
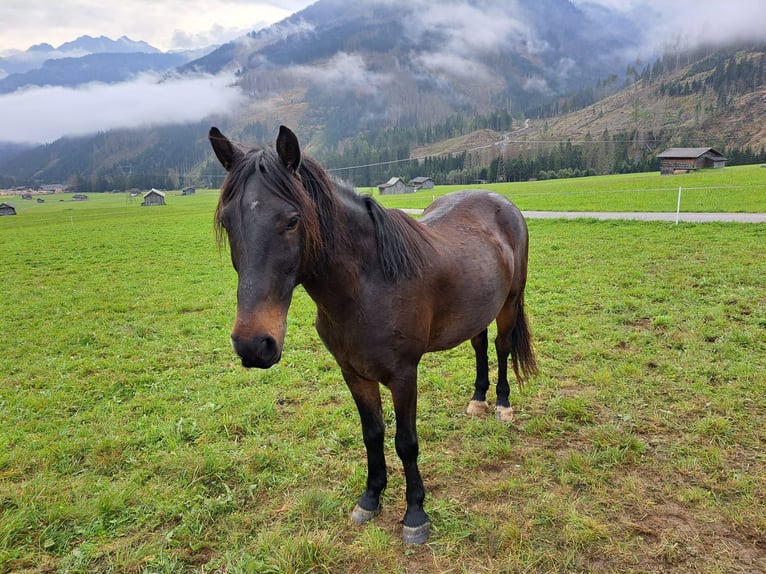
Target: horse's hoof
point(504, 414)
point(416, 534)
point(359, 515)
point(477, 408)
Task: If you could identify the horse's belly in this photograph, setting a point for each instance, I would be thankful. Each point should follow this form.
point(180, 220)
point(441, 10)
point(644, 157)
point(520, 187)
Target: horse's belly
point(466, 313)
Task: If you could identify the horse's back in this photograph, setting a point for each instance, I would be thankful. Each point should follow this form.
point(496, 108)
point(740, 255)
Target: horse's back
point(478, 209)
point(480, 245)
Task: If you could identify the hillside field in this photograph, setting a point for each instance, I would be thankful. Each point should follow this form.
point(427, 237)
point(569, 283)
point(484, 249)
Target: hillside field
point(133, 441)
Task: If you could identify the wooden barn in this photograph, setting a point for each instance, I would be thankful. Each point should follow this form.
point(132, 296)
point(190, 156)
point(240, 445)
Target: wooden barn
point(188, 191)
point(681, 159)
point(422, 183)
point(153, 197)
point(395, 186)
point(7, 209)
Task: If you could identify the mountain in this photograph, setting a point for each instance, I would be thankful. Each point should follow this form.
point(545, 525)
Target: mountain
point(104, 45)
point(375, 82)
point(368, 65)
point(109, 68)
point(86, 60)
point(34, 57)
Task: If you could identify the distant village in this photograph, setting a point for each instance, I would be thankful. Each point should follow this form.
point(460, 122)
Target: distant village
point(150, 197)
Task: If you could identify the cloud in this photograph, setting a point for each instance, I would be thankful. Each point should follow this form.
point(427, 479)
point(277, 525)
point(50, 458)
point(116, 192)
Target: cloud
point(454, 65)
point(168, 24)
point(688, 24)
point(468, 28)
point(42, 115)
point(538, 85)
point(343, 72)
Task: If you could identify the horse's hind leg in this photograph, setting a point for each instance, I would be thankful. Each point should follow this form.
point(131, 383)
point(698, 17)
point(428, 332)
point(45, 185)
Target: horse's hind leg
point(506, 320)
point(478, 404)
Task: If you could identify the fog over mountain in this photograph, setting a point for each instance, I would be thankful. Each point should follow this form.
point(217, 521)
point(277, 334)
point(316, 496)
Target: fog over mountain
point(363, 64)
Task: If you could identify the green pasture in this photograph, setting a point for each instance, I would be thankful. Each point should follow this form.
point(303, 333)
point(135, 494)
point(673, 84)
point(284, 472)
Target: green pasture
point(732, 189)
point(133, 441)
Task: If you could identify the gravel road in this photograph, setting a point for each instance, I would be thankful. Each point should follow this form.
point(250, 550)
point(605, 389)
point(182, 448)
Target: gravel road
point(650, 216)
point(639, 216)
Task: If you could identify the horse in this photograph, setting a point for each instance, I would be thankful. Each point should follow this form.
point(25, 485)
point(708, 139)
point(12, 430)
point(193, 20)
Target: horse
point(388, 288)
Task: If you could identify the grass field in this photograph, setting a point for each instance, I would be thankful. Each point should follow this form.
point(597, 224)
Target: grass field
point(132, 440)
point(733, 189)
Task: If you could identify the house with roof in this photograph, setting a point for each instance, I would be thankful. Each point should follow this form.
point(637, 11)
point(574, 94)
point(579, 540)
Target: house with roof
point(7, 209)
point(422, 183)
point(394, 186)
point(683, 159)
point(153, 197)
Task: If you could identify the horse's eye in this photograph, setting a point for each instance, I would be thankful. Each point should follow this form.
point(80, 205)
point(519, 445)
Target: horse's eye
point(292, 223)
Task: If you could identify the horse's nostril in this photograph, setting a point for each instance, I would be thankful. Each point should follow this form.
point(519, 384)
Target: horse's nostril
point(266, 347)
point(261, 351)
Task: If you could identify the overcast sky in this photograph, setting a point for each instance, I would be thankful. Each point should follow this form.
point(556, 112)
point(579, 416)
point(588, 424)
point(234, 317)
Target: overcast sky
point(165, 24)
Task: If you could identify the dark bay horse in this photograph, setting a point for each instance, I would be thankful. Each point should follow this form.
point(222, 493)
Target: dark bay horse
point(387, 288)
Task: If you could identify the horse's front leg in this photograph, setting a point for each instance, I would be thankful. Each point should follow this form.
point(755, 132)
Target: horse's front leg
point(367, 397)
point(404, 394)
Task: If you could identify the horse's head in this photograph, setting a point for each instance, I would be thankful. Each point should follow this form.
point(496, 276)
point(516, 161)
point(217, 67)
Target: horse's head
point(261, 210)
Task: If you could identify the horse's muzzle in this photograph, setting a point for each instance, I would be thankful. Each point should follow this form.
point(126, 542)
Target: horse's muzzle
point(261, 351)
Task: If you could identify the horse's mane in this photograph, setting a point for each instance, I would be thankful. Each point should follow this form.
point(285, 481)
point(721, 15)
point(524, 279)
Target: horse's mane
point(319, 199)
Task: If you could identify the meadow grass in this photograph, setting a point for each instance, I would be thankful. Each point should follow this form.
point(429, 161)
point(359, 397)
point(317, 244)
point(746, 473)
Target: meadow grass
point(132, 440)
point(732, 189)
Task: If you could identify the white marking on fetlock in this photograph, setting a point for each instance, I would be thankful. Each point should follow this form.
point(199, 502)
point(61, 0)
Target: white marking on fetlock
point(504, 414)
point(477, 408)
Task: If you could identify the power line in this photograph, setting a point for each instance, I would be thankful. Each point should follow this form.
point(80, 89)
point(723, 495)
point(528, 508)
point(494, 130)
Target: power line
point(487, 146)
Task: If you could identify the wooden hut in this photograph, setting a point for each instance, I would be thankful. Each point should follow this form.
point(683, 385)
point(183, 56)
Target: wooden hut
point(683, 159)
point(7, 209)
point(395, 186)
point(188, 191)
point(422, 183)
point(153, 197)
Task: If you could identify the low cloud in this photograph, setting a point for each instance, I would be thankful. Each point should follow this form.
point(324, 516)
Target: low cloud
point(454, 65)
point(343, 72)
point(688, 24)
point(44, 114)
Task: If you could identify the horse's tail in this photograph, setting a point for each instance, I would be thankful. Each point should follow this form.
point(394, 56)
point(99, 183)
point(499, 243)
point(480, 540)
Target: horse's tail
point(522, 351)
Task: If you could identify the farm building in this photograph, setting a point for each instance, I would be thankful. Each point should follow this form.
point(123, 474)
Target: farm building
point(689, 159)
point(188, 191)
point(7, 209)
point(153, 197)
point(422, 183)
point(395, 186)
point(80, 197)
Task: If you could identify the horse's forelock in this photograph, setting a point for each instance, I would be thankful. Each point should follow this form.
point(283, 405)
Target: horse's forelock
point(265, 164)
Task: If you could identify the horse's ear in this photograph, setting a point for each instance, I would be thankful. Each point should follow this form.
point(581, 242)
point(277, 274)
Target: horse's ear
point(288, 149)
point(226, 152)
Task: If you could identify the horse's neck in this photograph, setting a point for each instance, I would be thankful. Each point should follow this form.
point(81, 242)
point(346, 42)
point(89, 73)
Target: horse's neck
point(335, 284)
